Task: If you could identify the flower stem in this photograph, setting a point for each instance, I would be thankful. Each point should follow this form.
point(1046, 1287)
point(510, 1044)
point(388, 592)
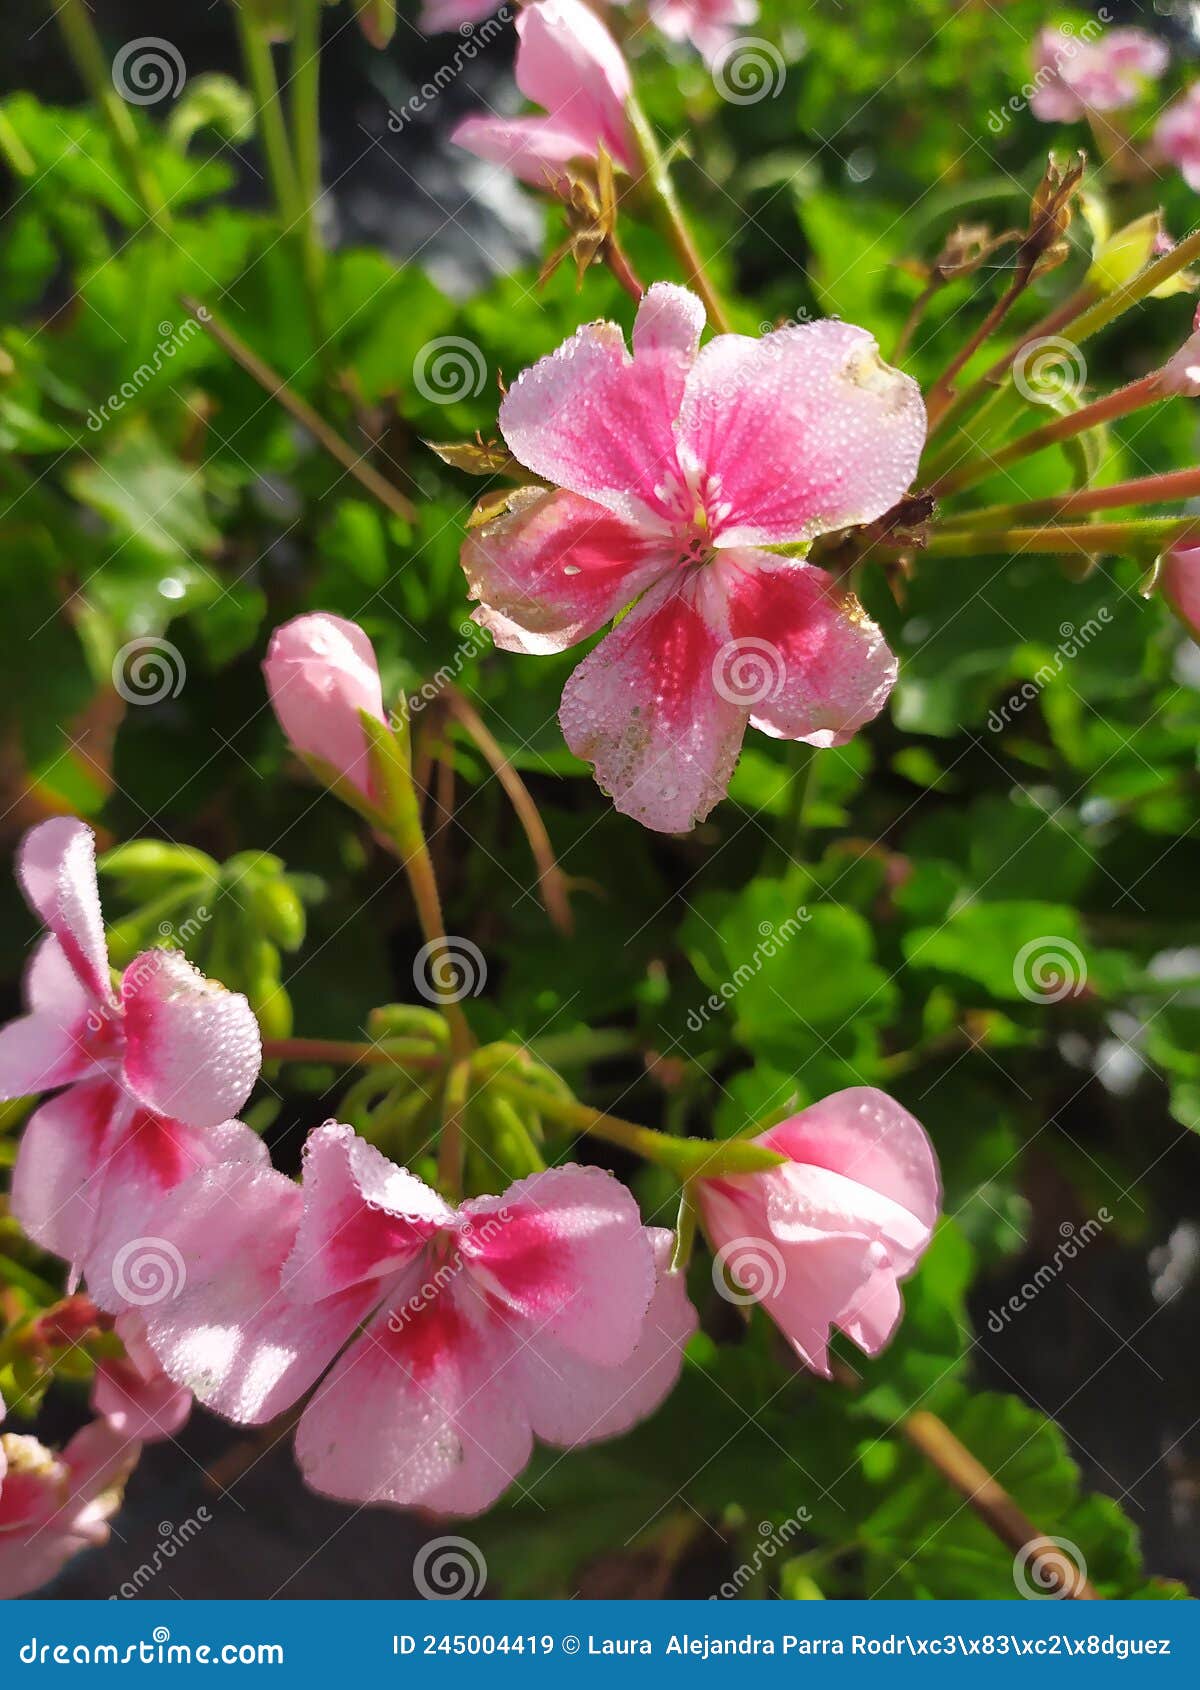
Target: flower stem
point(306, 128)
point(1145, 490)
point(348, 1053)
point(939, 397)
point(675, 225)
point(983, 1492)
point(83, 44)
point(1148, 536)
point(352, 462)
point(1119, 404)
point(260, 73)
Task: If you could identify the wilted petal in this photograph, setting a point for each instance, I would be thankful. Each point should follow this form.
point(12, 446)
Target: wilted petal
point(192, 1048)
point(555, 568)
point(799, 433)
point(803, 655)
point(643, 708)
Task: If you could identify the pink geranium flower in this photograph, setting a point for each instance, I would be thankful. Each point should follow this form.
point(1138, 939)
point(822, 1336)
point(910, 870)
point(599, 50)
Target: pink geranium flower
point(1073, 76)
point(52, 1506)
point(1177, 136)
point(824, 1239)
point(146, 1077)
point(1179, 583)
point(569, 64)
point(709, 25)
point(320, 672)
point(675, 468)
point(132, 1392)
point(448, 1338)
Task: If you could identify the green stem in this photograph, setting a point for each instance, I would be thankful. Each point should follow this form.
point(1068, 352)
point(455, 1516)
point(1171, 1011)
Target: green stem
point(85, 49)
point(346, 1053)
point(260, 73)
point(1145, 490)
point(306, 128)
point(1148, 537)
point(1119, 404)
point(675, 225)
point(566, 1050)
point(1122, 299)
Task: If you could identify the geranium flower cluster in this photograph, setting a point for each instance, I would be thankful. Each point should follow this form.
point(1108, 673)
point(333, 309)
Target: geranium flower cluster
point(430, 1341)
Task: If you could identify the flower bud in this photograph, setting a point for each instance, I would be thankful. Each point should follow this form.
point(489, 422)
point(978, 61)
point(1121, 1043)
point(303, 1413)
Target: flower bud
point(1179, 583)
point(320, 672)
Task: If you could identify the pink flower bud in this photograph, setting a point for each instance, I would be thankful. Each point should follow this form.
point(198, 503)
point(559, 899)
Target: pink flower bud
point(320, 672)
point(1179, 583)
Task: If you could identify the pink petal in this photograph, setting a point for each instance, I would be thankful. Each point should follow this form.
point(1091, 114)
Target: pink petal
point(56, 866)
point(669, 319)
point(601, 424)
point(133, 1394)
point(799, 433)
point(422, 1412)
point(364, 1218)
point(572, 1401)
point(321, 671)
point(536, 149)
point(229, 1333)
point(862, 1135)
point(569, 64)
point(804, 656)
point(192, 1048)
point(1179, 583)
point(147, 1156)
point(51, 1507)
point(566, 1250)
point(644, 710)
point(59, 1173)
point(554, 568)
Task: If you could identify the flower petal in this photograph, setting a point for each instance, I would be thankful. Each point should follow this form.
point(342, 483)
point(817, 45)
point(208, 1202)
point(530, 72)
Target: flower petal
point(799, 433)
point(537, 150)
point(420, 1412)
point(132, 1392)
point(594, 420)
point(804, 657)
point(643, 708)
point(229, 1333)
point(364, 1218)
point(566, 1250)
point(56, 866)
point(572, 1401)
point(192, 1048)
point(59, 1174)
point(554, 568)
point(863, 1136)
point(569, 64)
point(669, 319)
